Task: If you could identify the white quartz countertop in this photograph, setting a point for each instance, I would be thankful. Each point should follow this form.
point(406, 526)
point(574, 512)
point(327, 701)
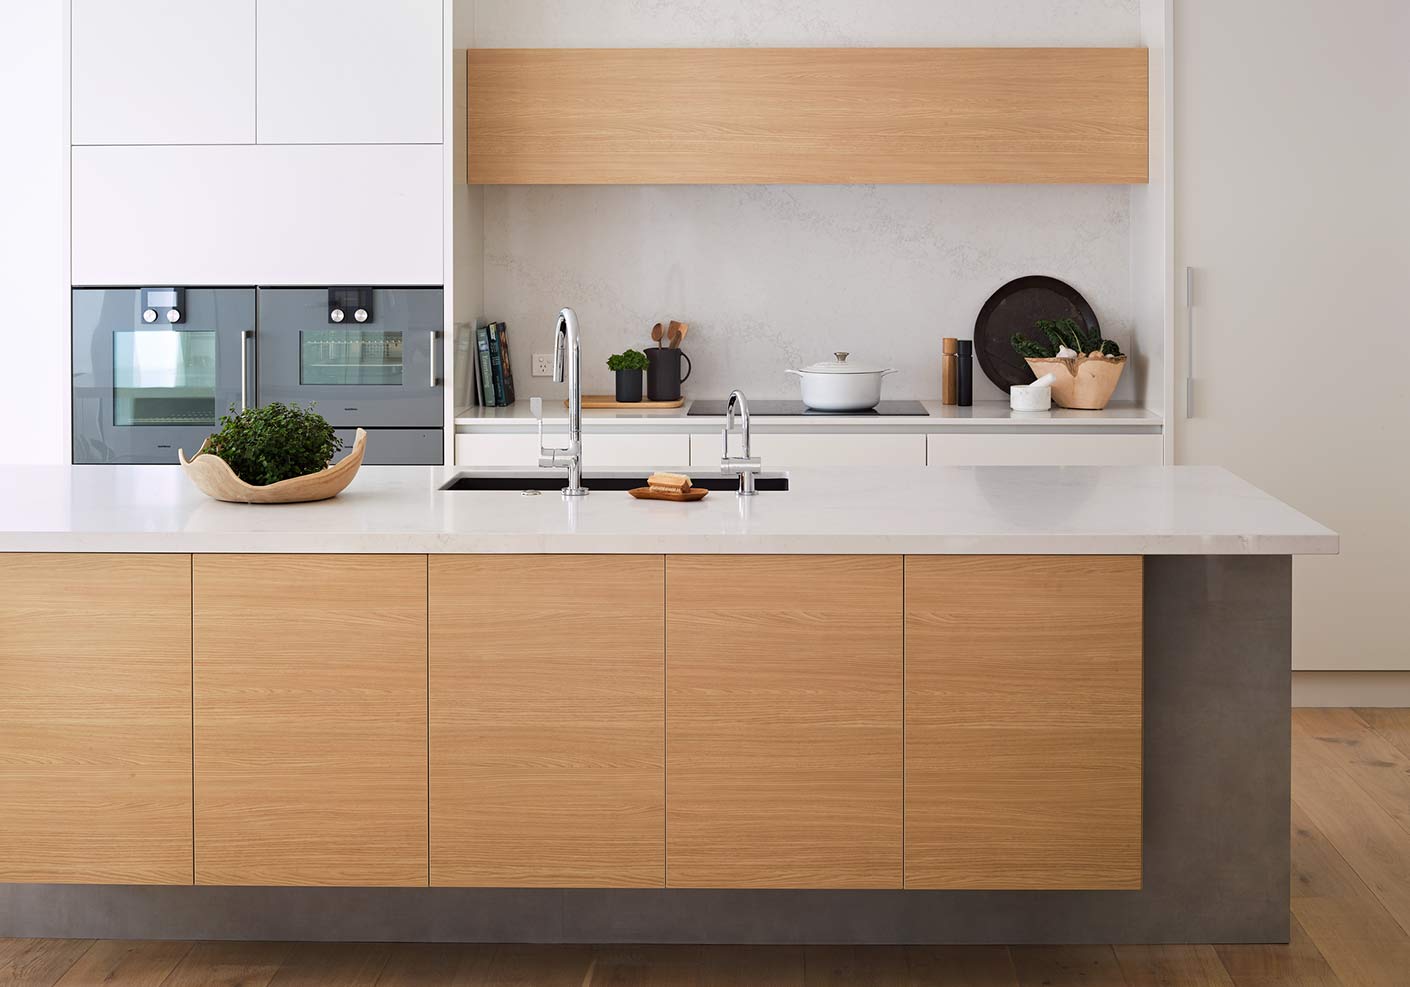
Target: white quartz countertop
point(1128, 510)
point(1119, 416)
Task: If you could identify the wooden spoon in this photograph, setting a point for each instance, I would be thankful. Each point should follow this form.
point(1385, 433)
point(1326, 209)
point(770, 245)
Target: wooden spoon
point(657, 334)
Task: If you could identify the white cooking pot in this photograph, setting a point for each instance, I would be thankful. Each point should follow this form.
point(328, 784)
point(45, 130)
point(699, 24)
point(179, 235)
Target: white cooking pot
point(841, 386)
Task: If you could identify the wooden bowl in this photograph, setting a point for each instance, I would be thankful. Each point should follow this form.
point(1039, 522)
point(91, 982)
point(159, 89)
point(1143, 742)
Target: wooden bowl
point(1085, 382)
point(214, 478)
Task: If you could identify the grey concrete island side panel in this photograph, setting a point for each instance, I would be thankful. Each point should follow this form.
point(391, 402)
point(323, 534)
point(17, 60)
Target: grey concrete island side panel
point(1217, 802)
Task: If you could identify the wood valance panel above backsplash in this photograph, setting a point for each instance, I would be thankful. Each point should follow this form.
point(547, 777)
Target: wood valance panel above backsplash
point(735, 116)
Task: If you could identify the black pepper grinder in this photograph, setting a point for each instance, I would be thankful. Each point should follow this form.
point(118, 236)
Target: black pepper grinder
point(966, 374)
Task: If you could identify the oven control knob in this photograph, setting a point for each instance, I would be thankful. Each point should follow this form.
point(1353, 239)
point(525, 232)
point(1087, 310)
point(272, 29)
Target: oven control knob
point(336, 315)
point(173, 316)
point(360, 315)
point(149, 316)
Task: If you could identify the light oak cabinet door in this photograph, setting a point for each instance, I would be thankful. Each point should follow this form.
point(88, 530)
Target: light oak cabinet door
point(95, 719)
point(350, 71)
point(1023, 722)
point(163, 72)
point(310, 720)
point(547, 721)
point(783, 721)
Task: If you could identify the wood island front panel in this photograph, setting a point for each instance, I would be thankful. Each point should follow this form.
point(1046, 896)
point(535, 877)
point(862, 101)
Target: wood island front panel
point(310, 720)
point(783, 721)
point(1023, 722)
point(95, 719)
point(547, 681)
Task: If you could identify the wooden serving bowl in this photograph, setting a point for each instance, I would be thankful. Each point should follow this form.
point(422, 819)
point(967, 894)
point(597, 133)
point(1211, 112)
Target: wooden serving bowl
point(1085, 382)
point(214, 478)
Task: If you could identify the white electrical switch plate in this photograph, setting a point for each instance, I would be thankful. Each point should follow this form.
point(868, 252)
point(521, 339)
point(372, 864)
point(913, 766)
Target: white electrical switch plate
point(543, 365)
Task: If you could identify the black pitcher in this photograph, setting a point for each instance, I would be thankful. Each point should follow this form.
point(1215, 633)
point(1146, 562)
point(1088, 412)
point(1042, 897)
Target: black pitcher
point(663, 373)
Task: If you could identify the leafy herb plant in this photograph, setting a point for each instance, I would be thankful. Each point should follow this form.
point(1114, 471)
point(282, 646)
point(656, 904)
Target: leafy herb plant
point(630, 360)
point(1060, 333)
point(275, 442)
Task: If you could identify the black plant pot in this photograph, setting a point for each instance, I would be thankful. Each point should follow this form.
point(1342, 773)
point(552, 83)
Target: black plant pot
point(628, 386)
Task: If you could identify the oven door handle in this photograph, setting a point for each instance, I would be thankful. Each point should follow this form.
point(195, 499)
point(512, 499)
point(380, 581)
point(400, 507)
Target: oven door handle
point(435, 349)
point(246, 338)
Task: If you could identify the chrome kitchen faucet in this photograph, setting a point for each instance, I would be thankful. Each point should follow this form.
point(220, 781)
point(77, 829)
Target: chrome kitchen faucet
point(567, 348)
point(746, 466)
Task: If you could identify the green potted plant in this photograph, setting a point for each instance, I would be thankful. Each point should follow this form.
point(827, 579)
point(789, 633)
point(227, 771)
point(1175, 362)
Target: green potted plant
point(278, 453)
point(628, 367)
point(1085, 366)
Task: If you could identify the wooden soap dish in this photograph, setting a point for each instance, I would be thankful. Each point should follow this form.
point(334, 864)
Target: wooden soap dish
point(680, 497)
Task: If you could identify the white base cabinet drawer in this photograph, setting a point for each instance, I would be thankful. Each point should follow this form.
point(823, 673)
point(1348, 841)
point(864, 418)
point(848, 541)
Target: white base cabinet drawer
point(799, 450)
point(601, 451)
point(1044, 450)
point(266, 215)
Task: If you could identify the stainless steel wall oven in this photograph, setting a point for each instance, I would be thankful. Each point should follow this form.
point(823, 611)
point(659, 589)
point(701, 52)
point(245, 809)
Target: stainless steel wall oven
point(154, 368)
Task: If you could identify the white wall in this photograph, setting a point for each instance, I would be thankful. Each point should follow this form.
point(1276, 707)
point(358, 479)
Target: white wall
point(1292, 154)
point(772, 277)
point(34, 382)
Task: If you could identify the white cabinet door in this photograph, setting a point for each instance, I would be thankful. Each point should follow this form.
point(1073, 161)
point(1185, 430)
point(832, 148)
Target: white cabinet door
point(350, 71)
point(1044, 450)
point(602, 451)
point(790, 450)
point(163, 71)
point(257, 215)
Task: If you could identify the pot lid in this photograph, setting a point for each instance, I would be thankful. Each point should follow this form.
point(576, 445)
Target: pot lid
point(841, 366)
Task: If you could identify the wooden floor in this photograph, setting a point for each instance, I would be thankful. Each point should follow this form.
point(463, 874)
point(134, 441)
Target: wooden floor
point(1350, 920)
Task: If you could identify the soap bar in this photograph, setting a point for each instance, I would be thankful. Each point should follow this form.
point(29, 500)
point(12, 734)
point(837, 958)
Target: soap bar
point(670, 482)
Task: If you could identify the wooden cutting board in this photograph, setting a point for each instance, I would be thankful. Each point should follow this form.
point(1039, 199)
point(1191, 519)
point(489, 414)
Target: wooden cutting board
point(601, 401)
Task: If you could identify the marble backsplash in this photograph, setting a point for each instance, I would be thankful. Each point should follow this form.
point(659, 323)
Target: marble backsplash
point(773, 277)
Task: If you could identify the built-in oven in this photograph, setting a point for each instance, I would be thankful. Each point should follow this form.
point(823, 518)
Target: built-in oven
point(154, 368)
point(368, 358)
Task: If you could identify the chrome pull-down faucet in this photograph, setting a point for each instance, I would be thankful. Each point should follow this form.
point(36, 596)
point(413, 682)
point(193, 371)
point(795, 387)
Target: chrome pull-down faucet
point(567, 349)
point(747, 466)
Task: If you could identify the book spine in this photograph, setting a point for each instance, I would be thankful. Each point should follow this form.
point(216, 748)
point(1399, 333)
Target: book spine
point(504, 362)
point(497, 367)
point(482, 344)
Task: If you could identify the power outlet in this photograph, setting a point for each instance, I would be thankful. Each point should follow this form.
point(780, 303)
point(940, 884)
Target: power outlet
point(543, 365)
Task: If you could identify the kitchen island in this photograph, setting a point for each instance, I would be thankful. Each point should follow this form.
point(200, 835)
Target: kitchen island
point(915, 705)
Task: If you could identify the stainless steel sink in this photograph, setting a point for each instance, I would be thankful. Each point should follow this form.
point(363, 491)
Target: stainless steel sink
point(556, 480)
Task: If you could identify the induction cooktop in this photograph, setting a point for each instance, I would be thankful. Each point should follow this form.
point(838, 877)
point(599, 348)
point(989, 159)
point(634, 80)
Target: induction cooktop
point(775, 409)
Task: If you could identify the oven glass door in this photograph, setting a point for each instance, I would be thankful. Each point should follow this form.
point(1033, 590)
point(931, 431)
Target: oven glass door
point(164, 378)
point(359, 357)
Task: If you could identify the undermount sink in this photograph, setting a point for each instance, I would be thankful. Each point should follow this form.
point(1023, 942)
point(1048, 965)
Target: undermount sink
point(556, 480)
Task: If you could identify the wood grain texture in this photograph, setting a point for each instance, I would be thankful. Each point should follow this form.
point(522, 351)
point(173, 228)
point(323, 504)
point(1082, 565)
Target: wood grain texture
point(1067, 966)
point(126, 964)
point(95, 719)
point(1159, 966)
point(1334, 799)
point(310, 720)
point(1392, 724)
point(806, 116)
point(547, 721)
point(1023, 722)
point(783, 721)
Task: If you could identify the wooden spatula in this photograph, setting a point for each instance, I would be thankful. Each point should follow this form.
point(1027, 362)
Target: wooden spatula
point(676, 333)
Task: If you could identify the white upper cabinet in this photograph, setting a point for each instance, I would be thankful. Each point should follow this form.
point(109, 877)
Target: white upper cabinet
point(350, 71)
point(327, 214)
point(164, 71)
